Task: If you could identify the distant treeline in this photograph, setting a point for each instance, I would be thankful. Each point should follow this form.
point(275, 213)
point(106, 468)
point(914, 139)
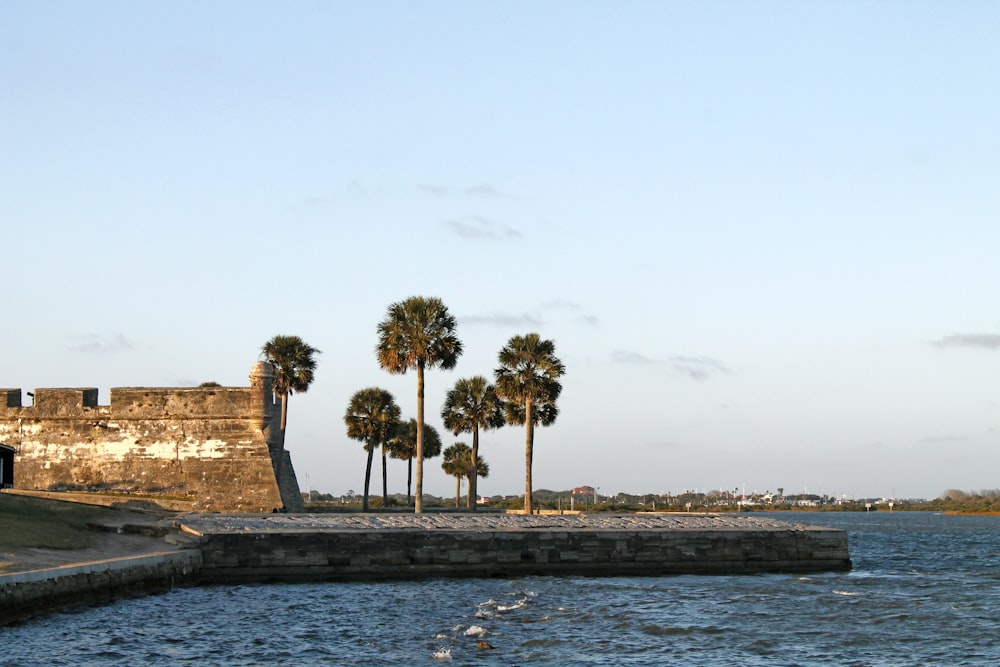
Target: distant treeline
point(952, 500)
point(986, 501)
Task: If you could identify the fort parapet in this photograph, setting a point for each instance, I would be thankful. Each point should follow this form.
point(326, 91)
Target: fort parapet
point(219, 449)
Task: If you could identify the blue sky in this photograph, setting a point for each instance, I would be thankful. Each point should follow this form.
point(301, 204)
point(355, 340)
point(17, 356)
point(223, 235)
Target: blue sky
point(763, 235)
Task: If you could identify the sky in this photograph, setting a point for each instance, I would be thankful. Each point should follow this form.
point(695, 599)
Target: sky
point(764, 236)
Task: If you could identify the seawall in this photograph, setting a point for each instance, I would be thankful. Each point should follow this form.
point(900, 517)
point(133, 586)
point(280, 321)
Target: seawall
point(374, 547)
point(24, 594)
point(223, 549)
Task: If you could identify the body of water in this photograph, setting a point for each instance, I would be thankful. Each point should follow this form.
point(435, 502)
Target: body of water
point(925, 590)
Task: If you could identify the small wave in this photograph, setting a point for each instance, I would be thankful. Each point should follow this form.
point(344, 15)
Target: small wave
point(659, 631)
point(475, 631)
point(489, 603)
point(442, 654)
point(850, 594)
point(520, 604)
point(542, 642)
point(485, 614)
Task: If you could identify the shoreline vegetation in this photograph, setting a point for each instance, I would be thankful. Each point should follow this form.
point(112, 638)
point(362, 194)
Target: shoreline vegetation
point(951, 502)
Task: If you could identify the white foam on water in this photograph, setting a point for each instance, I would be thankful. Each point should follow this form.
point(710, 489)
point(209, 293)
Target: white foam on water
point(475, 631)
point(850, 594)
point(520, 604)
point(442, 654)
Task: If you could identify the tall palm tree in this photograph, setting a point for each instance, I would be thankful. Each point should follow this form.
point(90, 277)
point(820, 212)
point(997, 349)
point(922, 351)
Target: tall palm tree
point(528, 378)
point(294, 364)
point(418, 333)
point(458, 463)
point(372, 417)
point(471, 405)
point(403, 446)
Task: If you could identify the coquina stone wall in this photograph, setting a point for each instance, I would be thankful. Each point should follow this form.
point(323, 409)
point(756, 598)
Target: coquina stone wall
point(27, 593)
point(294, 553)
point(219, 448)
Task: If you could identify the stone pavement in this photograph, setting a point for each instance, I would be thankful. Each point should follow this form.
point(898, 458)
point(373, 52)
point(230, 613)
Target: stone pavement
point(292, 523)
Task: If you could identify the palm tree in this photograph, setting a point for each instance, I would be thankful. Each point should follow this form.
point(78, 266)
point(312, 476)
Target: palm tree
point(471, 405)
point(403, 446)
point(418, 333)
point(293, 362)
point(528, 378)
point(372, 417)
point(458, 463)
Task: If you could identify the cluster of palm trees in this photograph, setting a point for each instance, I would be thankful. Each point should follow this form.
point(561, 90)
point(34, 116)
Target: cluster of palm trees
point(419, 334)
point(458, 463)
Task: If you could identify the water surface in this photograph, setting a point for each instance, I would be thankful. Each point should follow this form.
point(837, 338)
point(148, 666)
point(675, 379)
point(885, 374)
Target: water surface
point(925, 590)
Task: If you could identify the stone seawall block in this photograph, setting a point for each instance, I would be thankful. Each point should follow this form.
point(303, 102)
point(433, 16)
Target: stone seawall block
point(395, 554)
point(24, 594)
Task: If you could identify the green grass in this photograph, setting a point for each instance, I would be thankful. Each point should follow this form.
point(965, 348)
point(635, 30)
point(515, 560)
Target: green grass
point(50, 524)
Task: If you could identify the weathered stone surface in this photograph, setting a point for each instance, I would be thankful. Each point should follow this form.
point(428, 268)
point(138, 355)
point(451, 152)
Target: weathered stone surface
point(219, 447)
point(26, 593)
point(345, 547)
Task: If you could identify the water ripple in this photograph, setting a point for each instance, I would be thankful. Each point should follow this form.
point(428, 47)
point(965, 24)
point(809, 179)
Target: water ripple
point(924, 592)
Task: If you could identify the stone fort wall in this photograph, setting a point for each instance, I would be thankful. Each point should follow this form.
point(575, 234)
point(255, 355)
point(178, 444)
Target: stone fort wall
point(219, 448)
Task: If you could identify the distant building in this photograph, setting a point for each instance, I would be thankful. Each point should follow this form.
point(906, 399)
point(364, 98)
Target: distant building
point(208, 449)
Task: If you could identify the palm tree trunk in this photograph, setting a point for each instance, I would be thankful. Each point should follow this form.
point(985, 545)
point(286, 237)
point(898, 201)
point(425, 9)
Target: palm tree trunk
point(284, 417)
point(385, 478)
point(529, 440)
point(474, 476)
point(409, 479)
point(458, 488)
point(418, 497)
point(368, 476)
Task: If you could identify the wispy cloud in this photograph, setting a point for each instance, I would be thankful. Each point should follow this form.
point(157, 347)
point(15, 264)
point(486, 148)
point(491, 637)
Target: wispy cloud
point(986, 341)
point(360, 188)
point(562, 304)
point(476, 227)
point(479, 190)
point(503, 319)
point(585, 319)
point(99, 344)
point(436, 190)
point(482, 190)
point(699, 368)
point(630, 357)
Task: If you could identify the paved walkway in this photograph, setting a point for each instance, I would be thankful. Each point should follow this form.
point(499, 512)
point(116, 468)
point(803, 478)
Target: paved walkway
point(287, 523)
